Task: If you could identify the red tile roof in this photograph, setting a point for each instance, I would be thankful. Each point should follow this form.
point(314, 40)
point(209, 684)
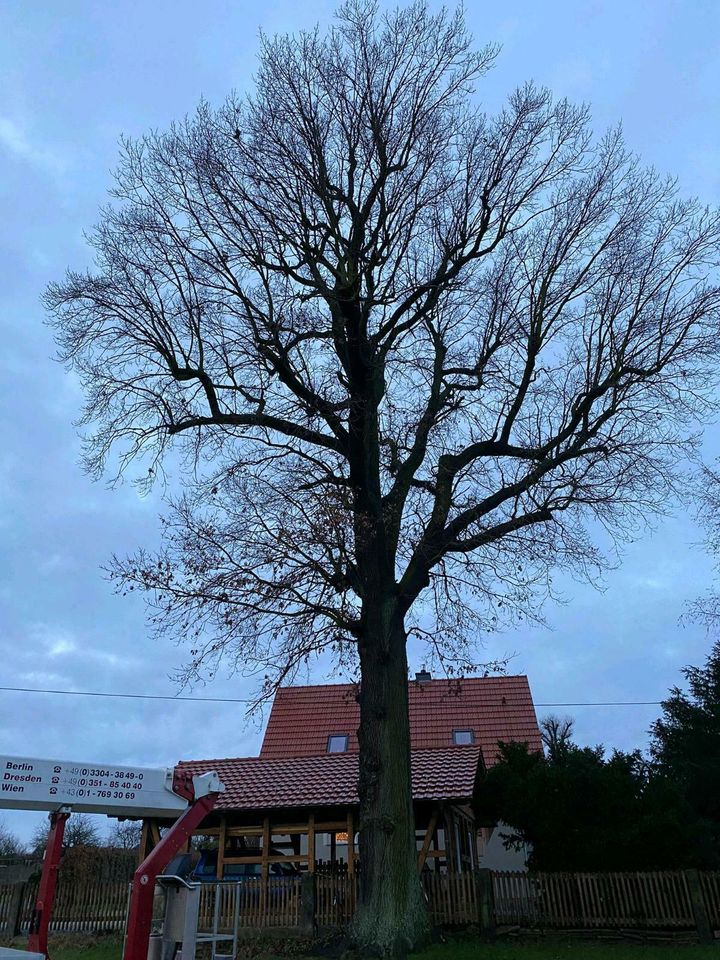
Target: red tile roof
point(494, 708)
point(256, 783)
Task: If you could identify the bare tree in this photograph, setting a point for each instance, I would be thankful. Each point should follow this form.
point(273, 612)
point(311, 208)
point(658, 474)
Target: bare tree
point(556, 734)
point(125, 835)
point(80, 831)
point(706, 495)
point(411, 355)
point(10, 844)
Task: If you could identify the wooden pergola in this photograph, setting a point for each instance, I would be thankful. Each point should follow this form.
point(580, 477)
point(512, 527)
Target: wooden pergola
point(446, 837)
point(304, 811)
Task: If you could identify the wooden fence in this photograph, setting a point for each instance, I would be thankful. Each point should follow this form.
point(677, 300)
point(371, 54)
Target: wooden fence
point(335, 899)
point(710, 888)
point(668, 900)
point(79, 907)
point(452, 898)
point(226, 907)
point(7, 893)
point(660, 900)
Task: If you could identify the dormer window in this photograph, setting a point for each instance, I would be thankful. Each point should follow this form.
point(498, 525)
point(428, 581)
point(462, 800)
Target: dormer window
point(463, 738)
point(337, 743)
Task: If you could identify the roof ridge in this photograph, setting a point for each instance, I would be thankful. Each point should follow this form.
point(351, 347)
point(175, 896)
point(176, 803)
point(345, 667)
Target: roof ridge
point(450, 748)
point(421, 683)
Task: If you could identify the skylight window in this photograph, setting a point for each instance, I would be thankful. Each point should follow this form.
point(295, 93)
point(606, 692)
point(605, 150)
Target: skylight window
point(462, 738)
point(337, 743)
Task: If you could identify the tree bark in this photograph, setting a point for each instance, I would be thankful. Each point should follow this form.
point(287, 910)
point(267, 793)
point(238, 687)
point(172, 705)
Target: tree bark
point(392, 916)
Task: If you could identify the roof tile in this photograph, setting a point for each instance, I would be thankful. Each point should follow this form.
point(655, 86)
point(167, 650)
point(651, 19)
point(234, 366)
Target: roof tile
point(257, 783)
point(494, 708)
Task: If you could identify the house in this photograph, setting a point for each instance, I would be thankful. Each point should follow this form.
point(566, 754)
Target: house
point(295, 806)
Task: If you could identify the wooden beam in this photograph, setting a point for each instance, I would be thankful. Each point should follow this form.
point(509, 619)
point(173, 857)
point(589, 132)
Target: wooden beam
point(429, 834)
point(265, 846)
point(435, 844)
point(311, 843)
point(244, 831)
point(144, 841)
point(154, 832)
point(351, 841)
point(291, 828)
point(222, 840)
point(288, 828)
point(449, 839)
point(264, 865)
point(275, 858)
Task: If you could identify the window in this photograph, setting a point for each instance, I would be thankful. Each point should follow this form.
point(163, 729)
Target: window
point(337, 743)
point(462, 738)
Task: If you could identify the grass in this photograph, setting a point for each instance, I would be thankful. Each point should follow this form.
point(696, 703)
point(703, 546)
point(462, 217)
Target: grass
point(99, 950)
point(75, 947)
point(566, 949)
point(79, 948)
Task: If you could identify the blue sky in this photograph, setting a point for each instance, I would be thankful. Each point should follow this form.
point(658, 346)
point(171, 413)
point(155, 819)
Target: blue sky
point(73, 77)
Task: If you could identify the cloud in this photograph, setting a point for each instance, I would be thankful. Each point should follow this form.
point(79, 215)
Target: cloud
point(56, 641)
point(59, 642)
point(56, 562)
point(15, 141)
point(42, 678)
point(61, 647)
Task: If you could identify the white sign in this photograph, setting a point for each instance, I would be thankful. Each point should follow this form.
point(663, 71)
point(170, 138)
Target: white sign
point(119, 791)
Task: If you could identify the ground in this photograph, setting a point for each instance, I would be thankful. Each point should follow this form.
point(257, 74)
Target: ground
point(565, 949)
point(468, 949)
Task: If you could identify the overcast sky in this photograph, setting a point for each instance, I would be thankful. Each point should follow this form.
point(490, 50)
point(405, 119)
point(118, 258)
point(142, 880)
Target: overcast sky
point(73, 77)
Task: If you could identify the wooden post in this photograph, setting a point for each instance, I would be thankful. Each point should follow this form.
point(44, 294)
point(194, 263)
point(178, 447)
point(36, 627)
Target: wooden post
point(265, 870)
point(144, 849)
point(351, 842)
point(699, 910)
point(429, 834)
point(450, 847)
point(222, 839)
point(307, 904)
point(265, 848)
point(311, 843)
point(486, 902)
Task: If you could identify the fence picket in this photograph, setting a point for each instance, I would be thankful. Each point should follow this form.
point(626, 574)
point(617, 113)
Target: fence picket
point(652, 900)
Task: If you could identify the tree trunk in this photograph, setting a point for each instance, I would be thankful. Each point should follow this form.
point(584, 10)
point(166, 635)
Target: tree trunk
point(391, 917)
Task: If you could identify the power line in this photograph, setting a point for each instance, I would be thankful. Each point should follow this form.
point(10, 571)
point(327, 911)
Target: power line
point(156, 696)
point(606, 703)
point(123, 696)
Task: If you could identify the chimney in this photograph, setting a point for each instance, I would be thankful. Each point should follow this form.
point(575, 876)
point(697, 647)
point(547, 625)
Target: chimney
point(422, 676)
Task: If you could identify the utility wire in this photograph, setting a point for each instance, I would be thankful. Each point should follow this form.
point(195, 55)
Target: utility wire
point(124, 696)
point(155, 696)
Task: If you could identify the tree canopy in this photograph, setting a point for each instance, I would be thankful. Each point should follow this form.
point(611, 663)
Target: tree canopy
point(580, 810)
point(685, 744)
point(10, 844)
point(358, 300)
point(407, 353)
point(81, 830)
